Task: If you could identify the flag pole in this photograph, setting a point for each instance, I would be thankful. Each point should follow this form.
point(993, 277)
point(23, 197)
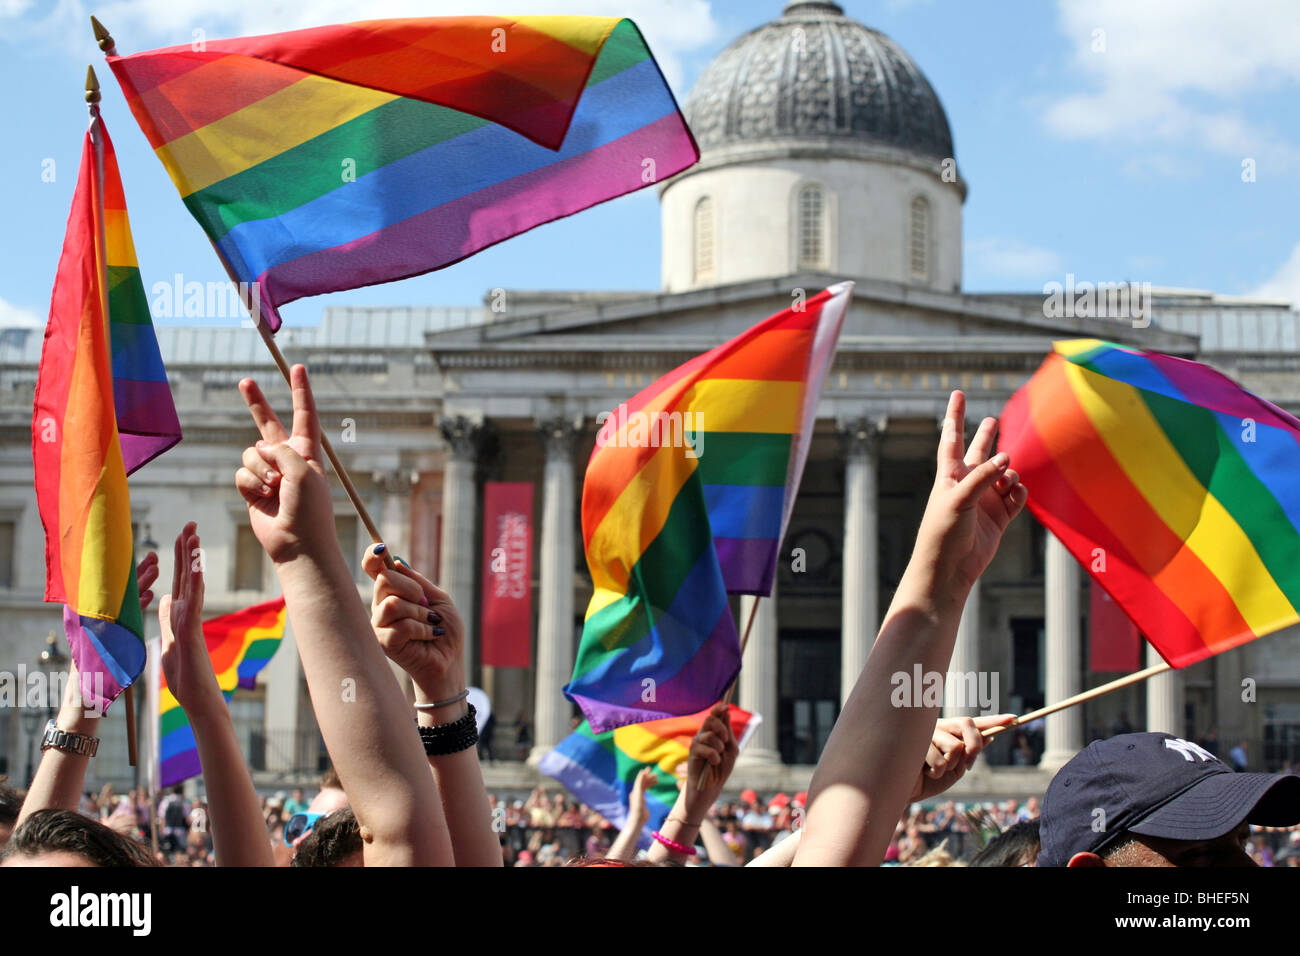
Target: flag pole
point(1087, 695)
point(109, 46)
point(731, 691)
point(101, 261)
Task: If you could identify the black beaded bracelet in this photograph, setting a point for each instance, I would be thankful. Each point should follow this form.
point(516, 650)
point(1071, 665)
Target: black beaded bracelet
point(451, 738)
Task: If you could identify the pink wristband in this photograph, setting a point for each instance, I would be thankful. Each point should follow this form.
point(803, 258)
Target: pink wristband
point(673, 844)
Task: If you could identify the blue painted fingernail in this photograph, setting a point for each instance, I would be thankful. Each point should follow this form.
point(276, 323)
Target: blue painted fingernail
point(438, 631)
point(380, 548)
point(435, 617)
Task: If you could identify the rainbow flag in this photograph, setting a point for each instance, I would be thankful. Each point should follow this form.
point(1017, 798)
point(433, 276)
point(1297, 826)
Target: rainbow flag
point(1176, 488)
point(342, 156)
point(687, 496)
point(239, 644)
point(600, 768)
point(102, 409)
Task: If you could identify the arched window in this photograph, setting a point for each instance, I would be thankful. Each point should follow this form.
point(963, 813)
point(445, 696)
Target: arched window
point(704, 259)
point(919, 251)
point(811, 238)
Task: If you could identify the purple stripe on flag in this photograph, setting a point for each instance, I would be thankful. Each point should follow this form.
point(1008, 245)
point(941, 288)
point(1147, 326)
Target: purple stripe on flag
point(100, 650)
point(184, 765)
point(748, 564)
point(452, 231)
point(146, 420)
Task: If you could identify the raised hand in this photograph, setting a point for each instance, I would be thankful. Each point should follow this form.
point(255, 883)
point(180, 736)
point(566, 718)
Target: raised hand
point(636, 805)
point(417, 626)
point(185, 660)
point(957, 742)
point(712, 758)
point(146, 573)
point(973, 500)
point(283, 477)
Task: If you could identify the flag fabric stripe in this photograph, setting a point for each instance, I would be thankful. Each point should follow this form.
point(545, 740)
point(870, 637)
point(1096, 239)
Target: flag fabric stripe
point(1144, 467)
point(665, 547)
point(453, 145)
point(239, 646)
point(600, 768)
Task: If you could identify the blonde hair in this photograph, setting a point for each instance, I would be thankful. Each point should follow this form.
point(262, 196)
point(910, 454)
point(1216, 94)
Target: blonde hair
point(939, 856)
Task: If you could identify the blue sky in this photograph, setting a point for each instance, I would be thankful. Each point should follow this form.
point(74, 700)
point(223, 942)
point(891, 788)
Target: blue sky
point(1112, 155)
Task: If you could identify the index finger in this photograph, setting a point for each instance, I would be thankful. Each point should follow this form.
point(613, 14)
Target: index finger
point(306, 424)
point(267, 423)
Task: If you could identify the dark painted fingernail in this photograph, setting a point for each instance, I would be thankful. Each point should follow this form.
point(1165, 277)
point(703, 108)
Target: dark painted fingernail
point(380, 548)
point(438, 631)
point(435, 617)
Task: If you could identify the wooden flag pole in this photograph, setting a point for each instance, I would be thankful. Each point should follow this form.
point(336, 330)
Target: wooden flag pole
point(101, 254)
point(109, 46)
point(1087, 695)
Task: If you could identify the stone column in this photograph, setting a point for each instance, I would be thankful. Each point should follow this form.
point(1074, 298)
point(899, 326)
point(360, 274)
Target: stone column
point(758, 675)
point(1165, 702)
point(966, 657)
point(859, 598)
point(395, 510)
point(555, 613)
point(1063, 634)
point(458, 564)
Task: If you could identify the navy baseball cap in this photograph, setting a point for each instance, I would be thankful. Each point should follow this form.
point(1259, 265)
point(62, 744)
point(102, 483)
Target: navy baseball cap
point(1155, 785)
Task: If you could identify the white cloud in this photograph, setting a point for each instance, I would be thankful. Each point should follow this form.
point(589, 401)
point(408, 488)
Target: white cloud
point(999, 258)
point(1285, 283)
point(1179, 72)
point(12, 316)
point(673, 28)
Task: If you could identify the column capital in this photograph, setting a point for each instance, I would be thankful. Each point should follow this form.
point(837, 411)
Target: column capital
point(861, 436)
point(463, 436)
point(558, 434)
point(395, 481)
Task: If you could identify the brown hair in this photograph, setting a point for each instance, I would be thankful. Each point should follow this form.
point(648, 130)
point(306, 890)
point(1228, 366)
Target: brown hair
point(54, 831)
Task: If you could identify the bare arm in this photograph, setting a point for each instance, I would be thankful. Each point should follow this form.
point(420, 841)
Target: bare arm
point(238, 829)
point(714, 747)
point(868, 769)
point(719, 853)
point(60, 777)
point(359, 706)
point(420, 630)
point(625, 844)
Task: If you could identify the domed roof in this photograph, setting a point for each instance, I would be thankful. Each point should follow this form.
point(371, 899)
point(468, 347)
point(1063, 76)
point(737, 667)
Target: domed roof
point(814, 73)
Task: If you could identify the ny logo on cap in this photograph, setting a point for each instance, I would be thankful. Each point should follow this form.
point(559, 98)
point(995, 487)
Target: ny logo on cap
point(1187, 748)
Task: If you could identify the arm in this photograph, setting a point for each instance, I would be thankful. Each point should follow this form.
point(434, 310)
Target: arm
point(719, 853)
point(868, 769)
point(714, 747)
point(60, 776)
point(238, 830)
point(420, 630)
point(625, 844)
point(359, 707)
point(781, 854)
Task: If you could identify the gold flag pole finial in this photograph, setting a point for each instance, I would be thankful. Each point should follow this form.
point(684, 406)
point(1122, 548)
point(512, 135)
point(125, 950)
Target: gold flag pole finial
point(92, 86)
point(103, 37)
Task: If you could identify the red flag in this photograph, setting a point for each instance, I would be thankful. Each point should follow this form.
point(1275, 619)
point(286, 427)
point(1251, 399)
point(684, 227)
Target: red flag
point(507, 574)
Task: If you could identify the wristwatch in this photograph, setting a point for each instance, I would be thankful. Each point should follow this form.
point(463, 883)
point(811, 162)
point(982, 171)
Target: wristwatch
point(83, 745)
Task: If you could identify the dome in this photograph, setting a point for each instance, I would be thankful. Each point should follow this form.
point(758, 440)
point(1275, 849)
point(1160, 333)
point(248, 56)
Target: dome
point(815, 74)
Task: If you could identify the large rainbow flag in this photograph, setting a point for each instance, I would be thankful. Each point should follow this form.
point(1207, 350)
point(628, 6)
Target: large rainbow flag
point(1175, 487)
point(342, 156)
point(102, 409)
point(600, 768)
point(687, 496)
point(239, 644)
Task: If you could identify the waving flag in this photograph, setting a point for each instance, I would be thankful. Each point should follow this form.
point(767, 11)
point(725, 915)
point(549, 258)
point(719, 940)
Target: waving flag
point(342, 156)
point(1174, 486)
point(102, 409)
point(600, 768)
point(687, 496)
point(240, 644)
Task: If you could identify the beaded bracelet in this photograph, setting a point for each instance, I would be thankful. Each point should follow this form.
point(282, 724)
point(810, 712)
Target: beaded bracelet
point(673, 844)
point(451, 738)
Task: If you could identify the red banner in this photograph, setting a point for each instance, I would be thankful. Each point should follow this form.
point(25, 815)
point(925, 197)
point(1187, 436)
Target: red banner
point(507, 622)
point(1114, 643)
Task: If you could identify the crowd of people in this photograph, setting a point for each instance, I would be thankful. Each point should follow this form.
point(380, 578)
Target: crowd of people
point(407, 787)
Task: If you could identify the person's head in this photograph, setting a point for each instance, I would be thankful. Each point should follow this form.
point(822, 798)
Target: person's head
point(66, 838)
point(1017, 845)
point(297, 794)
point(335, 840)
point(1152, 799)
point(11, 802)
point(329, 800)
